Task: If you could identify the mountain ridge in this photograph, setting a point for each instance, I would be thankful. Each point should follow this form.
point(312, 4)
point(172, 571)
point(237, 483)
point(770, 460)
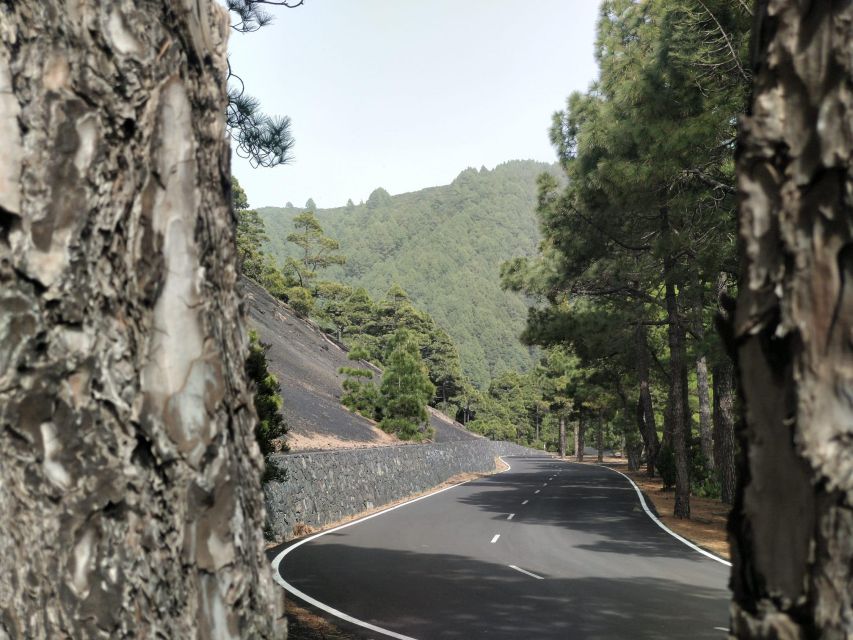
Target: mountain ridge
point(444, 245)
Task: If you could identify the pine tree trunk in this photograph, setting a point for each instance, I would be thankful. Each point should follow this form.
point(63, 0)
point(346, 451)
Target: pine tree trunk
point(706, 423)
point(580, 440)
point(793, 519)
point(130, 498)
point(724, 430)
point(599, 437)
point(646, 414)
point(677, 408)
point(562, 436)
point(577, 437)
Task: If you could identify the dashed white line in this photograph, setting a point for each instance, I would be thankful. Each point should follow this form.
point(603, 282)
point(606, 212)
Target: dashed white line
point(537, 491)
point(544, 484)
point(495, 539)
point(726, 629)
point(510, 516)
point(532, 575)
point(276, 564)
point(525, 501)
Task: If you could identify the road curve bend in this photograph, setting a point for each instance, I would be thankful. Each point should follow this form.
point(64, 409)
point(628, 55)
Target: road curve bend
point(544, 550)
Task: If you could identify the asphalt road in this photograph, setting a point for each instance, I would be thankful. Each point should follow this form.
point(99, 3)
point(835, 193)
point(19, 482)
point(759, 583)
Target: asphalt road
point(458, 565)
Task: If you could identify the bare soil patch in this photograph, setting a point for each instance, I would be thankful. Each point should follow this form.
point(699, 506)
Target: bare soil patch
point(325, 441)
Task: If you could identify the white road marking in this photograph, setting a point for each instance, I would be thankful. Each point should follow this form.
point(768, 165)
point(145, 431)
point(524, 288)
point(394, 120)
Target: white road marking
point(525, 501)
point(657, 521)
point(551, 478)
point(726, 629)
point(276, 563)
point(537, 491)
point(532, 575)
point(510, 516)
point(495, 539)
point(544, 484)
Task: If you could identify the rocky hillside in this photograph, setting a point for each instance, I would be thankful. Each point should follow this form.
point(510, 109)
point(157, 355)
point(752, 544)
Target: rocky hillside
point(306, 363)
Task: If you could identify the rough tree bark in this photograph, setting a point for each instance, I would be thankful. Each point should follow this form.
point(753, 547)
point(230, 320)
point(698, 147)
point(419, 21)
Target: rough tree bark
point(725, 414)
point(562, 436)
point(599, 436)
point(706, 425)
point(130, 498)
point(677, 406)
point(792, 526)
point(579, 439)
point(645, 410)
point(724, 430)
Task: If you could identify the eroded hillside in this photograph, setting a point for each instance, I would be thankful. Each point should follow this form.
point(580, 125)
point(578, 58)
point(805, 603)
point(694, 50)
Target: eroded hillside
point(306, 363)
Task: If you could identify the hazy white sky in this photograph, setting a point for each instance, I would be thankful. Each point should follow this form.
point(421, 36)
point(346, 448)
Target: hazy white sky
point(404, 94)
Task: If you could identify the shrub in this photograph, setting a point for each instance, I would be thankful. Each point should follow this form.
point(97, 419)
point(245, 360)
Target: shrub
point(666, 467)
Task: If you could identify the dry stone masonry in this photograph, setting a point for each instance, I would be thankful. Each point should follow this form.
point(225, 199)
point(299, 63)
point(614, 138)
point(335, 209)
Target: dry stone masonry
point(323, 487)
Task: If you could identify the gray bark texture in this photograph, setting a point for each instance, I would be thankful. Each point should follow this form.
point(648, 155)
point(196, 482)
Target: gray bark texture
point(599, 437)
point(645, 409)
point(580, 445)
point(724, 430)
point(130, 498)
point(677, 400)
point(792, 526)
point(562, 436)
point(577, 437)
point(706, 424)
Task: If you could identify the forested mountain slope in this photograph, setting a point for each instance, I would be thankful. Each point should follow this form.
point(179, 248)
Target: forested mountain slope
point(306, 364)
point(444, 246)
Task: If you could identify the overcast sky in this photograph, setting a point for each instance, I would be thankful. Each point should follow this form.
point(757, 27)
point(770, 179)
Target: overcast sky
point(404, 94)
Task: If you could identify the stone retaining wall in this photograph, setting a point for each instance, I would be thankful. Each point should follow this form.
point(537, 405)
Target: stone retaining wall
point(326, 486)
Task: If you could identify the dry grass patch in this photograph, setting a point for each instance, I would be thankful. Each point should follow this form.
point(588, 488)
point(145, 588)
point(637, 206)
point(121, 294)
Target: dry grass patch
point(324, 442)
point(304, 625)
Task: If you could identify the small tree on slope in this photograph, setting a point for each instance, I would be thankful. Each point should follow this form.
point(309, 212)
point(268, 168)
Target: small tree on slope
point(405, 390)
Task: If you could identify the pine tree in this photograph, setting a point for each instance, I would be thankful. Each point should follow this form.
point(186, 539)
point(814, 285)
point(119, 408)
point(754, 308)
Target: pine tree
point(405, 390)
point(360, 393)
point(318, 251)
point(271, 427)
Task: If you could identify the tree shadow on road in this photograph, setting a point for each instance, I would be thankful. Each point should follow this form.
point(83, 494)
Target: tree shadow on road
point(598, 503)
point(428, 595)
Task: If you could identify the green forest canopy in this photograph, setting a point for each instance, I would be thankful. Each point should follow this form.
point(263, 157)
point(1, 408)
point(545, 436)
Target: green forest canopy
point(444, 245)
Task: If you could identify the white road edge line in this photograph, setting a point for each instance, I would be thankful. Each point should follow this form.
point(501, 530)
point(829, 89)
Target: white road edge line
point(510, 516)
point(532, 575)
point(663, 526)
point(537, 491)
point(276, 563)
point(525, 501)
point(495, 539)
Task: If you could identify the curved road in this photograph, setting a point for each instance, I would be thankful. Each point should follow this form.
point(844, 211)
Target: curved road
point(578, 558)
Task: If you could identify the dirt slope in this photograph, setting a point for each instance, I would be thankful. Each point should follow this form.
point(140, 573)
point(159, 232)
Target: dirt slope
point(306, 363)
